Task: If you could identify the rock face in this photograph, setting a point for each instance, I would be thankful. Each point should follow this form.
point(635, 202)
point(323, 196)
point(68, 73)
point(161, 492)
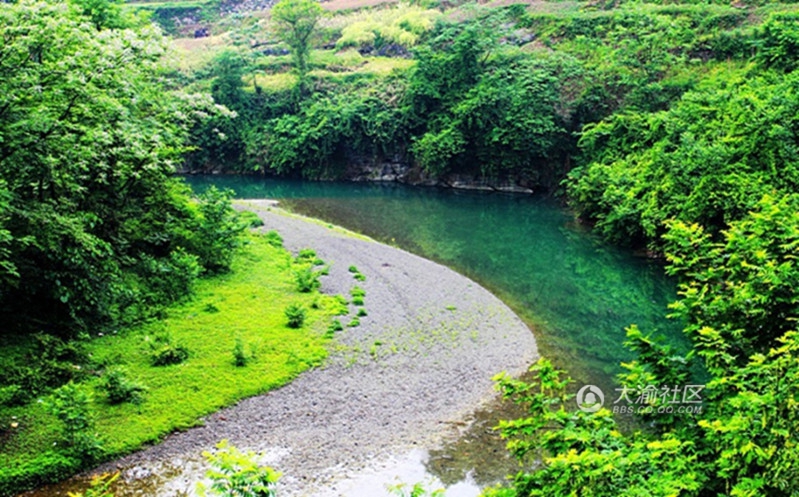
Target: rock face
point(398, 168)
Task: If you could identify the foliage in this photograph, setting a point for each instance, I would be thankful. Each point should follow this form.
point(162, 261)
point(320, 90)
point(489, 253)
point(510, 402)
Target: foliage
point(165, 351)
point(100, 486)
point(403, 25)
point(240, 358)
point(50, 363)
point(88, 207)
point(218, 230)
point(120, 388)
point(295, 315)
point(739, 306)
point(419, 489)
point(178, 398)
point(295, 23)
point(307, 280)
point(237, 474)
point(71, 405)
point(706, 160)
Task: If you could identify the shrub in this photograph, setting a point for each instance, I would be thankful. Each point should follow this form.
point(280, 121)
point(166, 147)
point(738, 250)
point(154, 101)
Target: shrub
point(234, 473)
point(359, 277)
point(361, 312)
point(357, 300)
point(333, 328)
point(240, 358)
point(274, 239)
point(119, 388)
point(353, 269)
point(218, 232)
point(167, 353)
point(354, 322)
point(251, 219)
point(358, 292)
point(307, 280)
point(70, 404)
point(296, 315)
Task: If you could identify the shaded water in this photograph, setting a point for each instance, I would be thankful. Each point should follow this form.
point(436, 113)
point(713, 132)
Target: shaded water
point(576, 293)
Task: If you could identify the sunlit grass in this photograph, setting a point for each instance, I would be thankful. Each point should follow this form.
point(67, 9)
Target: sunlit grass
point(246, 304)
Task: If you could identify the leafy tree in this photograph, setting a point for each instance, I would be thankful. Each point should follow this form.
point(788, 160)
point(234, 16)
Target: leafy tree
point(295, 23)
point(88, 206)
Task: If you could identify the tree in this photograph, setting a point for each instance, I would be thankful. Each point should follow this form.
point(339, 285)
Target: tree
point(90, 215)
point(295, 22)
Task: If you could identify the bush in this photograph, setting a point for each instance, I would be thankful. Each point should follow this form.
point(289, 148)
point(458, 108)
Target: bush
point(234, 473)
point(361, 312)
point(296, 315)
point(240, 358)
point(251, 219)
point(354, 322)
point(167, 353)
point(274, 239)
point(70, 404)
point(120, 388)
point(333, 328)
point(307, 280)
point(218, 231)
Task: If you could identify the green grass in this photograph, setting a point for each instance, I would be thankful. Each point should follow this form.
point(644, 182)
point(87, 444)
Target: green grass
point(246, 304)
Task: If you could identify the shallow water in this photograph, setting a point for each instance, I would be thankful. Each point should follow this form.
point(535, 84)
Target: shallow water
point(576, 293)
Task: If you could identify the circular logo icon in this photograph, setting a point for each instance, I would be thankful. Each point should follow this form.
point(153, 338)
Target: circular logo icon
point(590, 398)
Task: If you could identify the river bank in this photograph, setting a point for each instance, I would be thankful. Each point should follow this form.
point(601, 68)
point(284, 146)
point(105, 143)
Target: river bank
point(417, 365)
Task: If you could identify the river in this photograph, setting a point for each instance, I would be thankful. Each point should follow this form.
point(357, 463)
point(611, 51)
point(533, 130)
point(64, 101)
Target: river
point(576, 293)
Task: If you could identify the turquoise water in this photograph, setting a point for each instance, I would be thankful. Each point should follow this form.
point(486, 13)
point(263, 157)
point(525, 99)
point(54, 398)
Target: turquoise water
point(577, 293)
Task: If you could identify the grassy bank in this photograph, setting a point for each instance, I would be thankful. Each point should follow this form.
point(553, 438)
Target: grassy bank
point(245, 306)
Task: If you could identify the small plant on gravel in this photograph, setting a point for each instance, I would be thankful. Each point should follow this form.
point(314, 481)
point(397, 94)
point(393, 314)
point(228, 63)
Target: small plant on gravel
point(308, 256)
point(355, 322)
point(99, 487)
point(359, 277)
point(307, 280)
point(295, 314)
point(353, 269)
point(361, 312)
point(119, 388)
point(237, 474)
point(334, 327)
point(273, 238)
point(250, 219)
point(417, 490)
point(358, 295)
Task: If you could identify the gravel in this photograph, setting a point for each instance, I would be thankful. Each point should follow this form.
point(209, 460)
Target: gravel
point(418, 364)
